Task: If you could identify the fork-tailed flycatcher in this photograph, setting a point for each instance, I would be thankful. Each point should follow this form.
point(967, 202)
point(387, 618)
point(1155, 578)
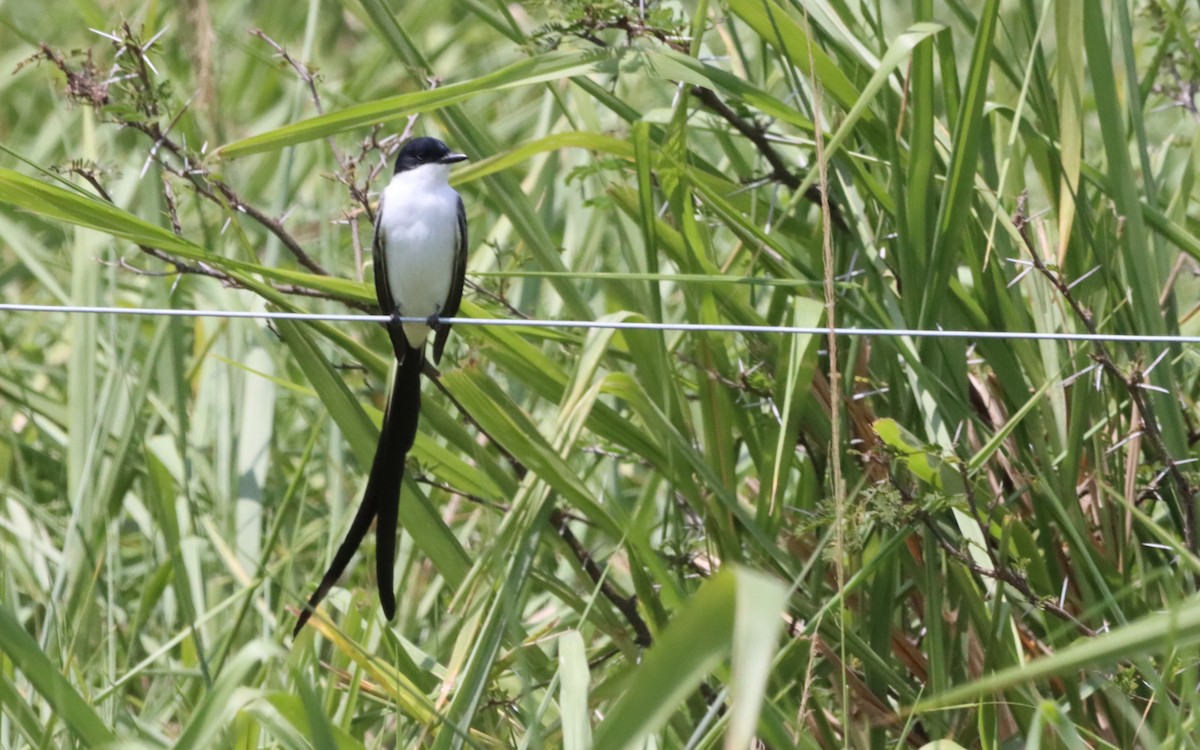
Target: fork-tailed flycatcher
point(420, 253)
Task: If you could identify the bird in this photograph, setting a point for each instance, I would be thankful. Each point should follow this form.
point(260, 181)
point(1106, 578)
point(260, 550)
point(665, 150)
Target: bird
point(420, 257)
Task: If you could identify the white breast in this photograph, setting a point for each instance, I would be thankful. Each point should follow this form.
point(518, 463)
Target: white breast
point(420, 228)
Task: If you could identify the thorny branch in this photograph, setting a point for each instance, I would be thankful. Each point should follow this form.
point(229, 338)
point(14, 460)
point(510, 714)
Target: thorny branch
point(87, 85)
point(1005, 575)
point(197, 269)
point(133, 74)
point(998, 571)
point(1133, 385)
point(347, 166)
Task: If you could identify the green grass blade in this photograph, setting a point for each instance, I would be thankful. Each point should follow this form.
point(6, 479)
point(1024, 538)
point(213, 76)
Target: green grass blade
point(573, 700)
point(548, 67)
point(74, 710)
point(1177, 628)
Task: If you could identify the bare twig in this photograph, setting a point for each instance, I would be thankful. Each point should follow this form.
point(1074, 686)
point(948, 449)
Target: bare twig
point(626, 605)
point(759, 136)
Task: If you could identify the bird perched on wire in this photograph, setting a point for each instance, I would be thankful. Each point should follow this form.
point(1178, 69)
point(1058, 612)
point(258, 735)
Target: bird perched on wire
point(420, 253)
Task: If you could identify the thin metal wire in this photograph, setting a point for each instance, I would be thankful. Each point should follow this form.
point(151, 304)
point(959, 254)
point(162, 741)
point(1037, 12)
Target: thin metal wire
point(614, 324)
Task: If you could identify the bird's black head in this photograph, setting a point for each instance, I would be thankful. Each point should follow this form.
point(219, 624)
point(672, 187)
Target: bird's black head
point(421, 151)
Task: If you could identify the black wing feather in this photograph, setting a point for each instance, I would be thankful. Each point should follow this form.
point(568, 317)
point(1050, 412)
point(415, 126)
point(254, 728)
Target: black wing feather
point(383, 292)
point(458, 276)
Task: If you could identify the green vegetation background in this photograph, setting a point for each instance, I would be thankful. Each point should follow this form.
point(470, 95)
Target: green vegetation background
point(611, 539)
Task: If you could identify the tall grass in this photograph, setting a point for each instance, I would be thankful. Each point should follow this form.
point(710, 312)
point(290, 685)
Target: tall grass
point(610, 538)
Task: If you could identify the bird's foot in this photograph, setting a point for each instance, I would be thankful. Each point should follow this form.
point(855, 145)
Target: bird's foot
point(433, 320)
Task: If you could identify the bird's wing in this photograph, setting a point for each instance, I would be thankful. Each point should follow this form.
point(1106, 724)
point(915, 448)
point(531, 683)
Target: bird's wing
point(383, 293)
point(458, 275)
point(378, 252)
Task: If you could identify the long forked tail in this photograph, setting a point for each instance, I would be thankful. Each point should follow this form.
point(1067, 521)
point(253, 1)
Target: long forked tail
point(382, 496)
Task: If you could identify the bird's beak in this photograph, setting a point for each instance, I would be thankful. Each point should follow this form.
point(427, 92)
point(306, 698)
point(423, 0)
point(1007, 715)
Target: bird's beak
point(453, 158)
